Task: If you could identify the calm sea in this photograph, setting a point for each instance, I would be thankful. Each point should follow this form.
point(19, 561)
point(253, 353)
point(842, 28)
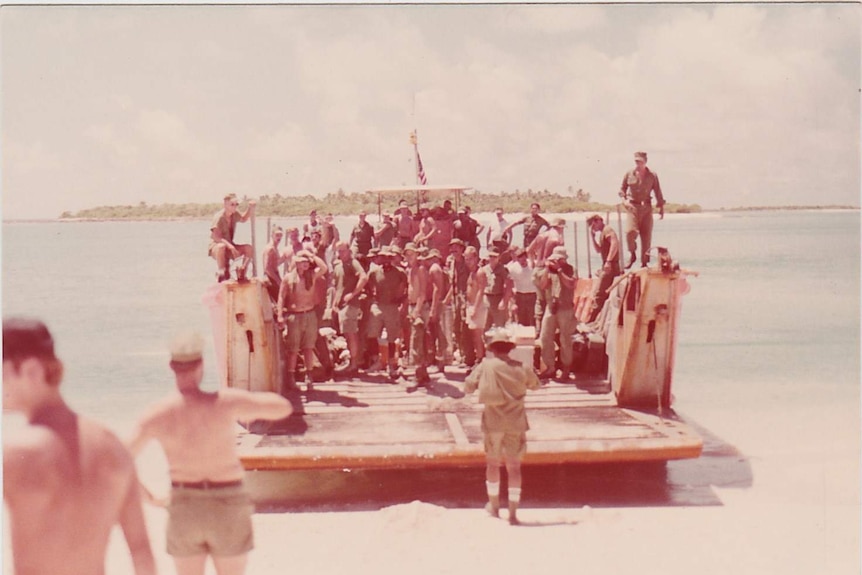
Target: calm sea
point(775, 311)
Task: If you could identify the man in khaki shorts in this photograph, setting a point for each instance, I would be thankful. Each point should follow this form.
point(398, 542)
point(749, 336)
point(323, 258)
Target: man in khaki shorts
point(297, 299)
point(502, 383)
point(209, 509)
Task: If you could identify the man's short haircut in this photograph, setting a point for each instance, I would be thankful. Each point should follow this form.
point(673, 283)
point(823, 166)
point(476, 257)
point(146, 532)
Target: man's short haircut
point(538, 207)
point(27, 337)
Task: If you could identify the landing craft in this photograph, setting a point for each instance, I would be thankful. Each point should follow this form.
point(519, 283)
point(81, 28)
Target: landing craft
point(617, 408)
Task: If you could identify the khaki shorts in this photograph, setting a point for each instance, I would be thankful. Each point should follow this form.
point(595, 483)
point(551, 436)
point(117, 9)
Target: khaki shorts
point(385, 316)
point(214, 521)
point(501, 445)
point(481, 316)
point(348, 318)
point(301, 330)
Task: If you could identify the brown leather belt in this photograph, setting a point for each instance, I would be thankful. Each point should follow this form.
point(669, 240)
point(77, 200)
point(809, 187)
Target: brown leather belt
point(206, 484)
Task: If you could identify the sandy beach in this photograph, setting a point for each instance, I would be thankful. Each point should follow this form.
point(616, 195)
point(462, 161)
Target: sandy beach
point(793, 509)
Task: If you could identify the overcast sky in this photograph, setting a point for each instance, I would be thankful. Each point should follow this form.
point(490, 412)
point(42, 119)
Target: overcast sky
point(737, 105)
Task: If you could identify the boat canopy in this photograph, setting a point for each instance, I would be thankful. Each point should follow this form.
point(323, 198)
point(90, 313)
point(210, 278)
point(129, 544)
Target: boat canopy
point(421, 194)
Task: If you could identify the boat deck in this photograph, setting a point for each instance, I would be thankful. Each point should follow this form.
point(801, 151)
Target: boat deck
point(373, 424)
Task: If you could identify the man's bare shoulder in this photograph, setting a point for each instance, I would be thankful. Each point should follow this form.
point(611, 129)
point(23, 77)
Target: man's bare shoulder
point(103, 442)
point(24, 442)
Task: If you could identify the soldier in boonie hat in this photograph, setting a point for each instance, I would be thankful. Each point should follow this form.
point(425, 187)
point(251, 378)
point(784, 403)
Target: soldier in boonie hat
point(559, 223)
point(500, 341)
point(187, 347)
point(410, 247)
point(456, 242)
point(593, 218)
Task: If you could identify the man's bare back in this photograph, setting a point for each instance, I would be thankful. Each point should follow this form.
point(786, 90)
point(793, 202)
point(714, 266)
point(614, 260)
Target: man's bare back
point(62, 504)
point(67, 481)
point(197, 431)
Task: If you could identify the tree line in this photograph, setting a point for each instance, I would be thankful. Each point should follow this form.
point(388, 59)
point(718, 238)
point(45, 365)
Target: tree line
point(342, 203)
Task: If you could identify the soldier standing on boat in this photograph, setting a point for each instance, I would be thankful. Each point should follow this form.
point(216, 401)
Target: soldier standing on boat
point(533, 224)
point(477, 308)
point(459, 273)
point(388, 289)
point(609, 248)
point(503, 383)
point(209, 510)
point(362, 235)
point(297, 300)
point(418, 309)
point(272, 260)
point(222, 247)
point(67, 481)
point(349, 282)
point(637, 187)
point(405, 225)
point(557, 282)
point(498, 289)
point(385, 232)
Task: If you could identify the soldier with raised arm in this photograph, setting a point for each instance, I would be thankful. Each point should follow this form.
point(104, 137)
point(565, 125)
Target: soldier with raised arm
point(209, 509)
point(503, 383)
point(222, 247)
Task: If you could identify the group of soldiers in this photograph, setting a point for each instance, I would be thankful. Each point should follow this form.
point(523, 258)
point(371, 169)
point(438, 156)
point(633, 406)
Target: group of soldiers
point(416, 287)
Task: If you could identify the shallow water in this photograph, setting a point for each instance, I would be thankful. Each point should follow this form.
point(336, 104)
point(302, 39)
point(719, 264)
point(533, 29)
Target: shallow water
point(773, 316)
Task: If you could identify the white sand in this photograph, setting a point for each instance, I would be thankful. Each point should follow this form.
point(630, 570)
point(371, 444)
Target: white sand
point(800, 515)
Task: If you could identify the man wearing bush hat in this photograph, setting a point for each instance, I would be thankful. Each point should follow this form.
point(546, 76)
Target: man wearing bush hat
point(503, 383)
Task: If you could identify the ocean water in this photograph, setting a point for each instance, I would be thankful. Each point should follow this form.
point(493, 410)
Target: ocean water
point(773, 316)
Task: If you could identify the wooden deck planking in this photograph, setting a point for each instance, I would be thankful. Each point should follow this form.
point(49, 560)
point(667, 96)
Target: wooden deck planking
point(369, 424)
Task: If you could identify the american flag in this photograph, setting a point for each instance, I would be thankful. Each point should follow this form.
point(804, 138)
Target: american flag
point(420, 170)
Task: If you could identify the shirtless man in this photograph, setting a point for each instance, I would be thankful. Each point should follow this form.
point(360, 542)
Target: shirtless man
point(349, 279)
point(405, 226)
point(271, 262)
point(385, 232)
point(417, 298)
point(427, 228)
point(66, 480)
point(388, 289)
point(222, 247)
point(312, 224)
point(292, 245)
point(441, 311)
point(477, 308)
point(297, 299)
point(209, 511)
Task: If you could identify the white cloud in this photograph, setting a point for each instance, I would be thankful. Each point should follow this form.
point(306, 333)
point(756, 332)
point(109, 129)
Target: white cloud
point(758, 101)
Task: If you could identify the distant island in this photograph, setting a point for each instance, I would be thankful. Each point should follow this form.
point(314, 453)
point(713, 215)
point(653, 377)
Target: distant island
point(343, 204)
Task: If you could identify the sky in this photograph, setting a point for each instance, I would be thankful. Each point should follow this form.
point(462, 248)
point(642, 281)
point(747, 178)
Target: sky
point(736, 104)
